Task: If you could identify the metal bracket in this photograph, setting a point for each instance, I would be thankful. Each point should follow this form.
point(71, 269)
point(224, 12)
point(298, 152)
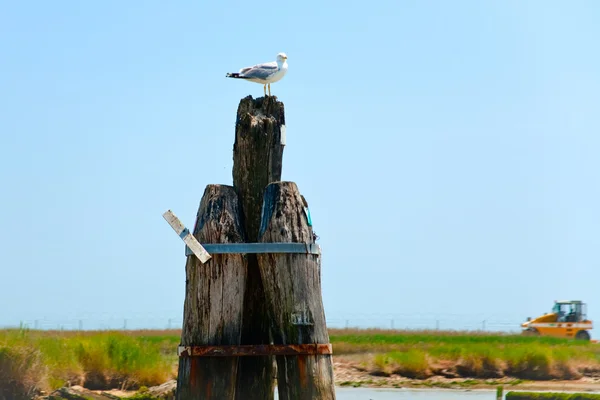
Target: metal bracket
point(259, 248)
point(255, 350)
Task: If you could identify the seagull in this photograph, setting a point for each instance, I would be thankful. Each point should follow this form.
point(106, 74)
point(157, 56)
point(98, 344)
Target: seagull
point(263, 73)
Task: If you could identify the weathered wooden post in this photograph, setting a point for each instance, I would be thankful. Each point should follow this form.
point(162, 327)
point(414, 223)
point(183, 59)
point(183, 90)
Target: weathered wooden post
point(213, 301)
point(257, 161)
point(258, 292)
point(292, 283)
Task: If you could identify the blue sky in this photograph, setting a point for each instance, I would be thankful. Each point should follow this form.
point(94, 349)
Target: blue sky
point(448, 150)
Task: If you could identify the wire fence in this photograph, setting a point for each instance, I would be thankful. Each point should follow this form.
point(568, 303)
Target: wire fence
point(454, 322)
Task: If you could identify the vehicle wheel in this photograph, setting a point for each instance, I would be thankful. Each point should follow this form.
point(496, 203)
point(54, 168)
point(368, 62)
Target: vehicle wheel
point(582, 335)
point(531, 332)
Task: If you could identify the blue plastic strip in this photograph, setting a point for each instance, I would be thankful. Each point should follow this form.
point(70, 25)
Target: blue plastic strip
point(308, 218)
point(259, 248)
point(184, 233)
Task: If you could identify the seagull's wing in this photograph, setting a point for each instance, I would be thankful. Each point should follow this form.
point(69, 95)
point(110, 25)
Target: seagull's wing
point(260, 71)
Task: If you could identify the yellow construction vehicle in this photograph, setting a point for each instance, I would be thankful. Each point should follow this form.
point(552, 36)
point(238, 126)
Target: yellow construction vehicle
point(568, 319)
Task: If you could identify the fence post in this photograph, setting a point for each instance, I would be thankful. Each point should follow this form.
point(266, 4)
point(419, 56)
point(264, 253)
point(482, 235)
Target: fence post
point(257, 161)
point(292, 284)
point(213, 300)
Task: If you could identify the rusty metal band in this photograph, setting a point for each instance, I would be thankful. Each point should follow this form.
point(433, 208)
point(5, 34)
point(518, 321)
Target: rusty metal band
point(255, 350)
point(258, 248)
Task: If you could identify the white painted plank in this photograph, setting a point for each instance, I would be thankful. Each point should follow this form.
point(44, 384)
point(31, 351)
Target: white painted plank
point(175, 223)
point(196, 248)
point(188, 238)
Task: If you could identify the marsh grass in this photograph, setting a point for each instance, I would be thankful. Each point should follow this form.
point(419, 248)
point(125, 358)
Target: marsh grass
point(532, 362)
point(411, 364)
point(44, 360)
point(551, 396)
point(474, 355)
point(97, 360)
point(22, 372)
point(114, 359)
point(480, 361)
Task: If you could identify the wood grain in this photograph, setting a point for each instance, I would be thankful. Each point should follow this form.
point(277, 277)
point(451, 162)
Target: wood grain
point(257, 161)
point(292, 284)
point(214, 299)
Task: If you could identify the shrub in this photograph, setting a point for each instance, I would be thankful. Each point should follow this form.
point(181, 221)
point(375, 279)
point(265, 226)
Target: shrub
point(479, 362)
point(562, 367)
point(117, 360)
point(529, 363)
point(21, 372)
point(411, 364)
point(381, 365)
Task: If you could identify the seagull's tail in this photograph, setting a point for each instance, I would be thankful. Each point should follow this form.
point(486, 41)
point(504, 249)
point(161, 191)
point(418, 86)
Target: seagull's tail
point(234, 75)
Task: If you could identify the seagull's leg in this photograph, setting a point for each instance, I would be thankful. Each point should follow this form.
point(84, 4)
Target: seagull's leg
point(265, 89)
point(269, 90)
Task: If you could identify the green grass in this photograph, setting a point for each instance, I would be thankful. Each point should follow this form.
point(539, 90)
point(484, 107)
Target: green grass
point(22, 372)
point(47, 360)
point(473, 355)
point(411, 364)
point(551, 396)
point(386, 337)
point(480, 361)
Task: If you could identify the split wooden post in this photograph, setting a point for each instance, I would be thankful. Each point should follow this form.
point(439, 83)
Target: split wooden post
point(237, 303)
point(257, 161)
point(213, 300)
point(292, 284)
